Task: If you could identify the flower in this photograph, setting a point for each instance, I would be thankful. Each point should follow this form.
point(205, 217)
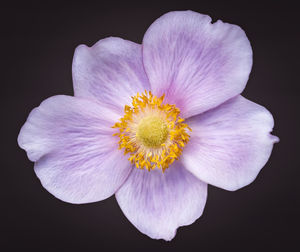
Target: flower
point(172, 105)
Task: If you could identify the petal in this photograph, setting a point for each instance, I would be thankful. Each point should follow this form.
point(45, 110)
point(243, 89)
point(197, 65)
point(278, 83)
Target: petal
point(158, 203)
point(77, 158)
point(230, 144)
point(197, 64)
point(111, 71)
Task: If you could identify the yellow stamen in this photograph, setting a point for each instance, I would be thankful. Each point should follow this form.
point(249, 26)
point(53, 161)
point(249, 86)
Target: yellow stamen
point(152, 132)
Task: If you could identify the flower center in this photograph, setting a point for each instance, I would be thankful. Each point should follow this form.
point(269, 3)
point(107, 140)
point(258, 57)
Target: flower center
point(151, 132)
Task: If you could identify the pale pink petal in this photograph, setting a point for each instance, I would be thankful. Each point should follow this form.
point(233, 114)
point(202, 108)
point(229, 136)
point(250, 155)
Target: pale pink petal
point(111, 71)
point(158, 203)
point(230, 144)
point(197, 64)
point(77, 158)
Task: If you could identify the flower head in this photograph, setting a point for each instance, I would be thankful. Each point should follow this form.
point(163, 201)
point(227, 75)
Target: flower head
point(154, 123)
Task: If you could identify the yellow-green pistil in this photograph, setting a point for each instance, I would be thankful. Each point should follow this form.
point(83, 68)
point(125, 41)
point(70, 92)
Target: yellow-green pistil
point(152, 131)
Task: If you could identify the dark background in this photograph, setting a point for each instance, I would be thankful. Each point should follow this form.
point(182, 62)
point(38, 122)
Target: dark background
point(38, 41)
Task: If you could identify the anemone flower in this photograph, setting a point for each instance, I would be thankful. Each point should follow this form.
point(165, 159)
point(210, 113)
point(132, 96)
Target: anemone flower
point(153, 123)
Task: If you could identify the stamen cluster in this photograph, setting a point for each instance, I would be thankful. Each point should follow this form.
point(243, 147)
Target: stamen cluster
point(166, 146)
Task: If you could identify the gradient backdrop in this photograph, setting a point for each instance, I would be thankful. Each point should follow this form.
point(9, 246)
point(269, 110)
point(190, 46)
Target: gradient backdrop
point(38, 41)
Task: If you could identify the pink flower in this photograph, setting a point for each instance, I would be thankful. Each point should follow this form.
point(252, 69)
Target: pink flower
point(191, 127)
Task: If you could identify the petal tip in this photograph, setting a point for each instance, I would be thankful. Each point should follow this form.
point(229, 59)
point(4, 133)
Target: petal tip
point(275, 139)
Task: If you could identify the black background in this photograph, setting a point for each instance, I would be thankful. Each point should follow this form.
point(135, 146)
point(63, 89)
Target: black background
point(38, 41)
